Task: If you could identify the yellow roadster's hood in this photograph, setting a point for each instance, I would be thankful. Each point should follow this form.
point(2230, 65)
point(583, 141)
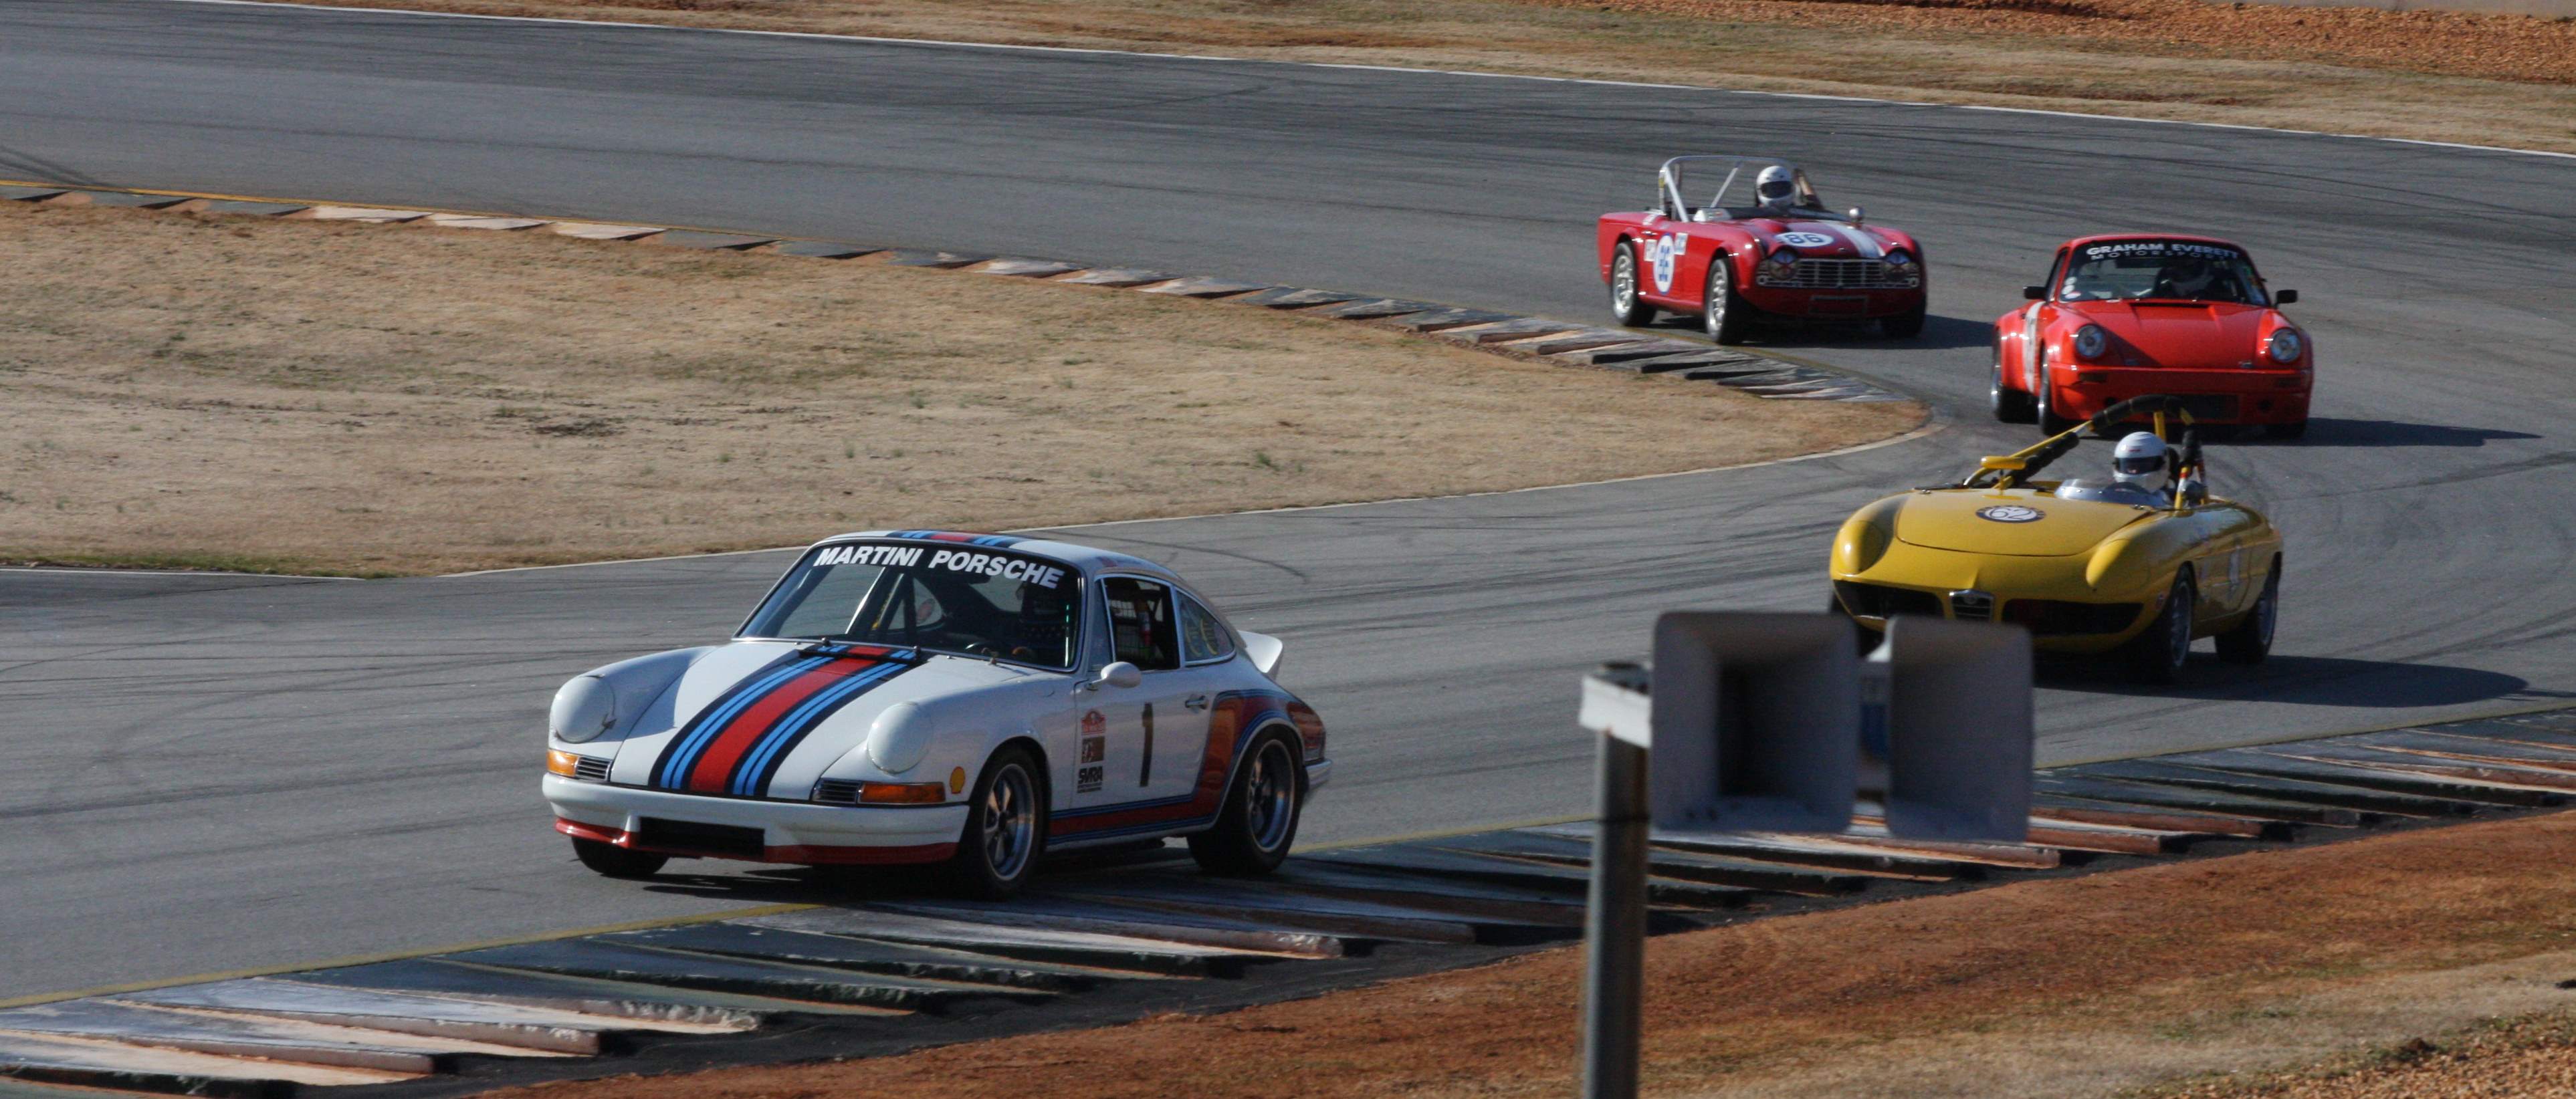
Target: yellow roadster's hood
point(2018, 522)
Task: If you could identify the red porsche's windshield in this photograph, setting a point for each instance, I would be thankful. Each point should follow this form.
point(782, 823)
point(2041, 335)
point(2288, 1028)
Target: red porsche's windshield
point(2169, 270)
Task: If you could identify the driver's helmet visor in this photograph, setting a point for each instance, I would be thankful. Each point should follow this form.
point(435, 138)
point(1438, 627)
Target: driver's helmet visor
point(2138, 465)
point(1777, 190)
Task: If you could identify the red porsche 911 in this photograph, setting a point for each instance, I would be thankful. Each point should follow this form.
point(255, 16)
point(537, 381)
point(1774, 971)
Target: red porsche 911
point(2129, 315)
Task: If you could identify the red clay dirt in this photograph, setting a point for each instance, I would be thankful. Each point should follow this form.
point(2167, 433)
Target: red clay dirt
point(2152, 955)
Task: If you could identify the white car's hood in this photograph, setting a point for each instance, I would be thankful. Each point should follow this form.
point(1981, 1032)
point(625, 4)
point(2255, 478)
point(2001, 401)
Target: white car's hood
point(765, 718)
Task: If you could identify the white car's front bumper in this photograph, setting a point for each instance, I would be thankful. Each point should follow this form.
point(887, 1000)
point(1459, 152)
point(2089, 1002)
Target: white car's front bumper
point(790, 832)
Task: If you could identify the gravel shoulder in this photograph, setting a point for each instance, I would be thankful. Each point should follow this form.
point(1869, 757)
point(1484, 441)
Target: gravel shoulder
point(2505, 80)
point(2296, 967)
point(199, 391)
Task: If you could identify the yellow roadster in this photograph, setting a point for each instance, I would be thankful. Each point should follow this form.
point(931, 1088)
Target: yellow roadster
point(2086, 565)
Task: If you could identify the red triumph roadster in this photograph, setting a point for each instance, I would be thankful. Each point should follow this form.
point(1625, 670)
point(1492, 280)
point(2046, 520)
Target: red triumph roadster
point(1756, 244)
point(2129, 315)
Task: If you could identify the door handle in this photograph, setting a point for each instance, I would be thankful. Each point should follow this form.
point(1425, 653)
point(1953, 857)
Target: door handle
point(1196, 702)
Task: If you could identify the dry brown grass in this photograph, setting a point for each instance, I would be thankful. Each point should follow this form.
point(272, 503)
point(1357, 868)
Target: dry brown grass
point(2077, 986)
point(299, 395)
point(2439, 76)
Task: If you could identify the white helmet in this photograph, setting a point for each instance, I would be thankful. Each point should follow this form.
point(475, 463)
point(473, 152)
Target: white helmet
point(1775, 186)
point(2139, 454)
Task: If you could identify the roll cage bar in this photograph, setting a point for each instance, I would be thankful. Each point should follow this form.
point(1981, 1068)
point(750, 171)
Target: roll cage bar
point(2019, 467)
point(1668, 189)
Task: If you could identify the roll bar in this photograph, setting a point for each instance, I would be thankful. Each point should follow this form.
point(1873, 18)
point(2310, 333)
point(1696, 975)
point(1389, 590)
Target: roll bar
point(2019, 467)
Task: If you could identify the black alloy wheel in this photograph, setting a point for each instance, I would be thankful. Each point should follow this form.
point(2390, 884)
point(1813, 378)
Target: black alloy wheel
point(1258, 821)
point(2250, 640)
point(2010, 406)
point(2157, 655)
point(1005, 831)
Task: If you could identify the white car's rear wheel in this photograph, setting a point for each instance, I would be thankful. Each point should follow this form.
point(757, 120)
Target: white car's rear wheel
point(1005, 828)
point(1258, 821)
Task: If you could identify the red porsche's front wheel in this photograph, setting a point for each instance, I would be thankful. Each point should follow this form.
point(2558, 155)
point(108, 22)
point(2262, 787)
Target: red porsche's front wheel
point(2045, 409)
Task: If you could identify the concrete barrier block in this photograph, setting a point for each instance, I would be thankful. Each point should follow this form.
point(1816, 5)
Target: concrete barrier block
point(371, 214)
point(1118, 277)
point(1436, 320)
point(1026, 268)
point(823, 249)
point(719, 242)
point(1201, 287)
point(591, 230)
point(922, 257)
point(118, 198)
point(1369, 309)
point(476, 221)
point(1503, 332)
point(1295, 297)
point(15, 193)
point(248, 208)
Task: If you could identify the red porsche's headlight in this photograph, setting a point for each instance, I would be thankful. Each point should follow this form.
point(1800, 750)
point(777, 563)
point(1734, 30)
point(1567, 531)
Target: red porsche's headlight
point(2285, 346)
point(2091, 342)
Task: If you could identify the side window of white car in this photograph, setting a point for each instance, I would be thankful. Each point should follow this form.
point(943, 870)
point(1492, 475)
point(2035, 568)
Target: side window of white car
point(1140, 623)
point(1203, 634)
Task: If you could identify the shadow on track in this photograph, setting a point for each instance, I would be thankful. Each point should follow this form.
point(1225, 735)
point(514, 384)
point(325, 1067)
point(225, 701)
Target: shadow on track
point(2308, 681)
point(2329, 431)
point(757, 883)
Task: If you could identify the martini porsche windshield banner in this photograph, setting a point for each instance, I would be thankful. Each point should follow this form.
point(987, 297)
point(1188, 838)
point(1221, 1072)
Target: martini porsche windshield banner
point(735, 744)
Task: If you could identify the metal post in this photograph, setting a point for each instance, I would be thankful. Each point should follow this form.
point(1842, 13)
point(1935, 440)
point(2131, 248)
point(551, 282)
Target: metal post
point(1614, 921)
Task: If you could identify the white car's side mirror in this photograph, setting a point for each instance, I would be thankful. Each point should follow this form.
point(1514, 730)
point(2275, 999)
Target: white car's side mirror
point(1118, 673)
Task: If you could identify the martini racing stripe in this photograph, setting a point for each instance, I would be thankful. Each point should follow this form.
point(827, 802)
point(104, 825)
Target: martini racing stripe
point(990, 541)
point(692, 737)
point(734, 746)
point(761, 763)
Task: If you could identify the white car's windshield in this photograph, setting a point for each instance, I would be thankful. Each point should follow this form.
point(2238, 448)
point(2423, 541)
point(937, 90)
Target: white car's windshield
point(958, 599)
point(2174, 270)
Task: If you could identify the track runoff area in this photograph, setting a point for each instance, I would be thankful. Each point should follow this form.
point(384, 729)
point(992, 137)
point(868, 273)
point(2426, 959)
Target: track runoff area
point(2387, 462)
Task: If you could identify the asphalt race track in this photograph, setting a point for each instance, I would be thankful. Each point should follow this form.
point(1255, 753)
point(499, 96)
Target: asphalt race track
point(210, 772)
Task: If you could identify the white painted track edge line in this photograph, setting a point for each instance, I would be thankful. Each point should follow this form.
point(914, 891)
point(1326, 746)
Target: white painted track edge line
point(1094, 50)
point(111, 570)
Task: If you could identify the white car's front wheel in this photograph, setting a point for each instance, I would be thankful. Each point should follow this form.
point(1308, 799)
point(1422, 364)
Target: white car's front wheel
point(1259, 818)
point(1005, 828)
point(610, 860)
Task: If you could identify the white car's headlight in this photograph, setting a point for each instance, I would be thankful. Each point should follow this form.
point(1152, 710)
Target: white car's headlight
point(583, 709)
point(2286, 346)
point(2091, 342)
point(899, 738)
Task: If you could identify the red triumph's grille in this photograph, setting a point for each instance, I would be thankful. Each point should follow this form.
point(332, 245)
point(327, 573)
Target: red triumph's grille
point(1845, 274)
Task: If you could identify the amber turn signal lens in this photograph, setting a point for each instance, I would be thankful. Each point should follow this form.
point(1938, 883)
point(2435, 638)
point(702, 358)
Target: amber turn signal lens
point(562, 763)
point(901, 793)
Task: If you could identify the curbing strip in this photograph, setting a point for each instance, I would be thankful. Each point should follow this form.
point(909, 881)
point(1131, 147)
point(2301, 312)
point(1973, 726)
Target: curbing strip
point(1541, 339)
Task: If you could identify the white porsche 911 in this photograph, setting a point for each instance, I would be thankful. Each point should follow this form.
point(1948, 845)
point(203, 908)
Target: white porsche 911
point(934, 697)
